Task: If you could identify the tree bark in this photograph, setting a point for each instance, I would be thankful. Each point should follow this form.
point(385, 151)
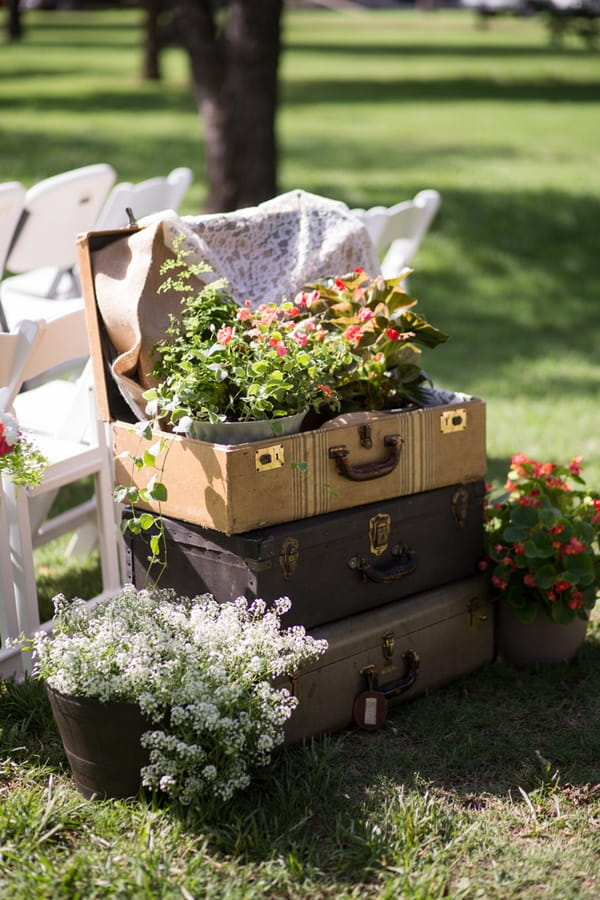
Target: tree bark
point(234, 50)
point(14, 20)
point(151, 67)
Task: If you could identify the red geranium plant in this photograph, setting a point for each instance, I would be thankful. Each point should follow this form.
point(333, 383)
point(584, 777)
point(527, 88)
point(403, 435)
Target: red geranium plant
point(542, 539)
point(376, 317)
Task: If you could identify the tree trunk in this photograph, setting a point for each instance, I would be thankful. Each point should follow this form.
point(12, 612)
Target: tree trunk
point(151, 68)
point(14, 21)
point(234, 53)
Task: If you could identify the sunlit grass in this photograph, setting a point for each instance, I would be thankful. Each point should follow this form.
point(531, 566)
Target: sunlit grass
point(489, 787)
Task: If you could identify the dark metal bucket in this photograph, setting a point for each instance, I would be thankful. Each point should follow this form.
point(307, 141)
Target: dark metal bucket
point(102, 743)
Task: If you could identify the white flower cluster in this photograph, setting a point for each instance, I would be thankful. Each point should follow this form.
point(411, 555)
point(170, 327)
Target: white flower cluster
point(201, 671)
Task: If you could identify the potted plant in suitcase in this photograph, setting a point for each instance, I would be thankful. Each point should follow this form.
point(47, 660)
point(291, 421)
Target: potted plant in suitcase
point(171, 693)
point(353, 342)
point(377, 318)
point(228, 374)
point(543, 557)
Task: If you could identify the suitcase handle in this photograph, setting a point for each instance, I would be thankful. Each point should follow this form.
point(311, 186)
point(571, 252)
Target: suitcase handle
point(370, 470)
point(393, 573)
point(395, 688)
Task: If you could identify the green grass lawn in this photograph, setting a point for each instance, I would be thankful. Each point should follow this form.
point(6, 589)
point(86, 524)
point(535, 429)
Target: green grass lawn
point(488, 788)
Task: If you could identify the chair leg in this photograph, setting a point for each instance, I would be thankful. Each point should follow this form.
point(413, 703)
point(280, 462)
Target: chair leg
point(108, 533)
point(9, 624)
point(21, 550)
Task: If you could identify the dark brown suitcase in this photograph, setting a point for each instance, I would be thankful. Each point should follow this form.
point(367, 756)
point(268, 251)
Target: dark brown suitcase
point(330, 566)
point(391, 654)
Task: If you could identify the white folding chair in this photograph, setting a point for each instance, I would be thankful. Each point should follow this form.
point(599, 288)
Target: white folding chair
point(43, 256)
point(15, 350)
point(397, 231)
point(60, 417)
point(12, 201)
point(144, 198)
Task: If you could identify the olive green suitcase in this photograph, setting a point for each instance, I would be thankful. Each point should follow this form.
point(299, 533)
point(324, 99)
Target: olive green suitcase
point(391, 654)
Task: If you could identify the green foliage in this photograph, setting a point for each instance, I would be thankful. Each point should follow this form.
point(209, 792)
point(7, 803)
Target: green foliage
point(222, 362)
point(543, 541)
point(376, 317)
point(374, 106)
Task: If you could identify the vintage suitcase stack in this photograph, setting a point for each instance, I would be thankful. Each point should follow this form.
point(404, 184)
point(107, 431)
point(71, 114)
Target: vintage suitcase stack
point(371, 524)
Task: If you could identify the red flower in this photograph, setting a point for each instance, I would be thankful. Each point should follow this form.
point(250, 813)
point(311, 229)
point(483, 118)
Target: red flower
point(499, 583)
point(364, 314)
point(278, 345)
point(353, 334)
point(544, 469)
point(224, 335)
point(576, 600)
point(299, 338)
point(529, 580)
point(326, 389)
point(561, 586)
point(391, 334)
point(4, 446)
point(575, 465)
point(574, 547)
point(556, 529)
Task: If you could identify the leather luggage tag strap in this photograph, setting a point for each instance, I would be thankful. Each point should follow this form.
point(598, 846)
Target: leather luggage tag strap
point(370, 707)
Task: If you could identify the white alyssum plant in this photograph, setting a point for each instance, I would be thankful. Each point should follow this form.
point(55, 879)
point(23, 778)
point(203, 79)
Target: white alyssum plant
point(202, 672)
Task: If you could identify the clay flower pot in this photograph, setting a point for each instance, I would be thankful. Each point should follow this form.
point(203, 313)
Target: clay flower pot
point(540, 641)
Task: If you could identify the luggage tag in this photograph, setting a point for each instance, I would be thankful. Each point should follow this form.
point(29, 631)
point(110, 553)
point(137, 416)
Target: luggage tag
point(370, 710)
point(371, 707)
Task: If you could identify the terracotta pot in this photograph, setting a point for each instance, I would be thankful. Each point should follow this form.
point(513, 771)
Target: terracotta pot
point(540, 641)
point(242, 432)
point(102, 743)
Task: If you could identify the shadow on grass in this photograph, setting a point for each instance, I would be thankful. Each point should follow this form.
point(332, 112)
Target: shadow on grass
point(473, 742)
point(484, 736)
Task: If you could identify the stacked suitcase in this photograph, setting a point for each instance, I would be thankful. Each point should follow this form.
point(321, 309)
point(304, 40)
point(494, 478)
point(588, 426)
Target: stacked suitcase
point(392, 586)
point(372, 525)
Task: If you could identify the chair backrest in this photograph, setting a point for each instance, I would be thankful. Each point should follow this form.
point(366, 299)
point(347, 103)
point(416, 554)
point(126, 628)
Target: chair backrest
point(56, 210)
point(62, 340)
point(15, 353)
point(397, 231)
point(12, 201)
point(144, 198)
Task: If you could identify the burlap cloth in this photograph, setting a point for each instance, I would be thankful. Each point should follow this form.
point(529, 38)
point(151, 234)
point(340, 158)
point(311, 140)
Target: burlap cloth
point(266, 253)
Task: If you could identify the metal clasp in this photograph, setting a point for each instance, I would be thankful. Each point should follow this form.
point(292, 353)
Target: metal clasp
point(453, 420)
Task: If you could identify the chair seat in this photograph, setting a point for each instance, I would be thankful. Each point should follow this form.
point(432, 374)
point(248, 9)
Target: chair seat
point(22, 296)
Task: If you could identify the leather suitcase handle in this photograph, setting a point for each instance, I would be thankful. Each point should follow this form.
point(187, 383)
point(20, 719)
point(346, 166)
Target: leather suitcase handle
point(395, 688)
point(392, 573)
point(370, 470)
point(371, 706)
